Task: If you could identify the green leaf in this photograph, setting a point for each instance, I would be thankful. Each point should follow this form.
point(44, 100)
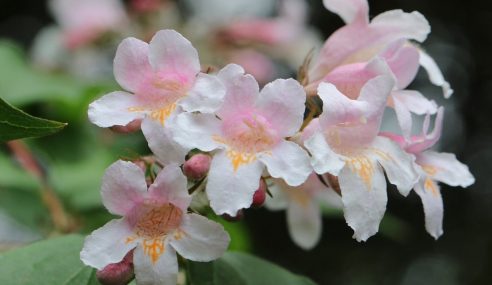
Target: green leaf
point(15, 124)
point(236, 268)
point(49, 262)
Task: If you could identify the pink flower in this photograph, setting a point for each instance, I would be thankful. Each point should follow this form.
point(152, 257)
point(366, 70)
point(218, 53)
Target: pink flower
point(250, 133)
point(434, 167)
point(154, 222)
point(343, 142)
point(165, 79)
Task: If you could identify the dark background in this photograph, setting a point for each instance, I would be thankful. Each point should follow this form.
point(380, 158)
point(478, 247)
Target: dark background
point(402, 253)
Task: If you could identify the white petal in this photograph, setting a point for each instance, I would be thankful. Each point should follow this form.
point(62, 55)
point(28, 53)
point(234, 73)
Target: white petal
point(131, 64)
point(229, 190)
point(448, 169)
point(170, 186)
point(403, 116)
point(279, 200)
point(349, 10)
point(113, 110)
point(433, 207)
point(399, 166)
point(287, 161)
point(323, 159)
point(200, 239)
point(162, 272)
point(123, 186)
point(409, 25)
point(304, 222)
point(364, 205)
point(282, 103)
point(435, 74)
point(206, 96)
point(197, 131)
point(416, 102)
point(160, 140)
point(107, 245)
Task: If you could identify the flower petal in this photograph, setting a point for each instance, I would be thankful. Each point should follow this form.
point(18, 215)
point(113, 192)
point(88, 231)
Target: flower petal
point(278, 200)
point(349, 10)
point(304, 223)
point(170, 186)
point(107, 244)
point(429, 193)
point(323, 159)
point(435, 74)
point(171, 53)
point(197, 131)
point(163, 271)
point(399, 166)
point(131, 64)
point(426, 140)
point(230, 190)
point(446, 168)
point(287, 161)
point(206, 96)
point(363, 204)
point(113, 110)
point(200, 239)
point(162, 144)
point(123, 186)
point(282, 103)
point(403, 59)
point(407, 25)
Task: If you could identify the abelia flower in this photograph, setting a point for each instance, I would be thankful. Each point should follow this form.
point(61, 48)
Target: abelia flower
point(249, 132)
point(302, 205)
point(154, 223)
point(434, 167)
point(344, 142)
point(165, 79)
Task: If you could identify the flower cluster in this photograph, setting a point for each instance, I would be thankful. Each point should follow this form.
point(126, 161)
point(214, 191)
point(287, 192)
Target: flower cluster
point(335, 154)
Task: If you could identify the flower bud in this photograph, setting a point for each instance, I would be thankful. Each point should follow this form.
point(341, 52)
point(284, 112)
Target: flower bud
point(238, 217)
point(260, 195)
point(131, 127)
point(197, 166)
point(117, 273)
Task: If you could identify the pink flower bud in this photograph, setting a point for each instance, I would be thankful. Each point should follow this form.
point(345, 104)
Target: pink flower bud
point(117, 273)
point(239, 216)
point(133, 126)
point(197, 166)
point(260, 195)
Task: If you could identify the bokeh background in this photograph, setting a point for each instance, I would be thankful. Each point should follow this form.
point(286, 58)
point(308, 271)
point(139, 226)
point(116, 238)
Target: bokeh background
point(402, 253)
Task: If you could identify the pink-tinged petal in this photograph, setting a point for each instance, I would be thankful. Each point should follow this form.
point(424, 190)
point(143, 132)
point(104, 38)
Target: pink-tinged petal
point(170, 186)
point(426, 140)
point(282, 103)
point(349, 10)
point(206, 96)
point(171, 53)
point(242, 90)
point(197, 131)
point(255, 63)
point(435, 74)
point(403, 59)
point(444, 167)
point(107, 245)
point(399, 166)
point(163, 271)
point(200, 239)
point(131, 64)
point(123, 186)
point(312, 128)
point(287, 161)
point(230, 190)
point(430, 195)
point(364, 200)
point(408, 25)
point(113, 110)
point(323, 158)
point(162, 144)
point(304, 223)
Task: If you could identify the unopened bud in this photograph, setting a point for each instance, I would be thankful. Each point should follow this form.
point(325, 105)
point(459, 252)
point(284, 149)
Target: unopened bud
point(197, 166)
point(260, 195)
point(238, 217)
point(131, 127)
point(117, 273)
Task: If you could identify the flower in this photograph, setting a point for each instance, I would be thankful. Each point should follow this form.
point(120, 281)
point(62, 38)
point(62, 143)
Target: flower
point(343, 142)
point(165, 79)
point(303, 210)
point(250, 132)
point(434, 167)
point(154, 222)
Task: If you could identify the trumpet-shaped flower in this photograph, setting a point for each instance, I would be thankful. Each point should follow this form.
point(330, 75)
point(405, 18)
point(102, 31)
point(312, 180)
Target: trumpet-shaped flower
point(434, 167)
point(154, 222)
point(302, 203)
point(343, 142)
point(250, 132)
point(164, 77)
